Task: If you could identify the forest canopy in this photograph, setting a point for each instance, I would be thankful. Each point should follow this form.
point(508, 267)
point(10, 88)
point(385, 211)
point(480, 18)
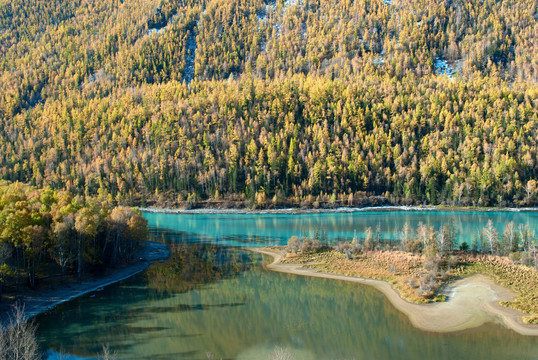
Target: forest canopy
point(44, 233)
point(312, 103)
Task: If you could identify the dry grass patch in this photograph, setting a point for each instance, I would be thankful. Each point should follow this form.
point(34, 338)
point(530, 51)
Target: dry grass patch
point(395, 267)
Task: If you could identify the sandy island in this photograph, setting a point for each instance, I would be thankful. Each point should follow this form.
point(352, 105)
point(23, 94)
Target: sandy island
point(41, 301)
point(471, 302)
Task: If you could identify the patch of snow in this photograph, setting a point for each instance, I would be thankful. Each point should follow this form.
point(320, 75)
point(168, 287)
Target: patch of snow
point(303, 30)
point(442, 67)
point(174, 18)
point(388, 2)
point(97, 77)
point(262, 15)
point(155, 31)
point(289, 3)
point(270, 7)
point(277, 27)
point(379, 61)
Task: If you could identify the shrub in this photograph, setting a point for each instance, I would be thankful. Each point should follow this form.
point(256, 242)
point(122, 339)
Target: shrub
point(515, 257)
point(343, 246)
point(306, 245)
point(527, 259)
point(356, 248)
point(413, 283)
point(414, 246)
point(431, 264)
point(294, 244)
point(310, 245)
point(315, 245)
point(428, 286)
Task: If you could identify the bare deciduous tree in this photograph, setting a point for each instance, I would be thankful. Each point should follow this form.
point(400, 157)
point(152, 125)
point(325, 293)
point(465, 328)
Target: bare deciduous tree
point(294, 244)
point(17, 338)
point(368, 242)
point(281, 353)
point(405, 235)
point(107, 353)
point(422, 234)
point(491, 236)
point(509, 239)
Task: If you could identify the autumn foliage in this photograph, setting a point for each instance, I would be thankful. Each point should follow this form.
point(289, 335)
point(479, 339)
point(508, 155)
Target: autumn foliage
point(45, 232)
point(316, 103)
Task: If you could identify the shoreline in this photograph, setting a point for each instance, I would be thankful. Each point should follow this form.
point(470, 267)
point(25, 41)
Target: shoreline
point(472, 301)
point(344, 210)
point(35, 304)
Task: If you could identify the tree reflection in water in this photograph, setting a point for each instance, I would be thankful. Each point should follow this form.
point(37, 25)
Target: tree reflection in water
point(193, 265)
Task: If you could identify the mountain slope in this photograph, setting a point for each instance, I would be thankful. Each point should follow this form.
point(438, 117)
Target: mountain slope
point(296, 101)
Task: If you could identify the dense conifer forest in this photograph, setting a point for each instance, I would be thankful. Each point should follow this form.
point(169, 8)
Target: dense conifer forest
point(265, 103)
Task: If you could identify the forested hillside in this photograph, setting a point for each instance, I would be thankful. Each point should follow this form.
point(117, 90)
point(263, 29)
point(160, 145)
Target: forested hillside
point(312, 102)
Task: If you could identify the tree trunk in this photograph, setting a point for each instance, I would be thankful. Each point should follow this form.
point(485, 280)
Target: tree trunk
point(79, 258)
point(31, 272)
point(18, 267)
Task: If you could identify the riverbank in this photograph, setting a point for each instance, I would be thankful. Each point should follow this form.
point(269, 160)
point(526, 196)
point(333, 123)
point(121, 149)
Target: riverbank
point(291, 211)
point(472, 301)
point(294, 211)
point(36, 302)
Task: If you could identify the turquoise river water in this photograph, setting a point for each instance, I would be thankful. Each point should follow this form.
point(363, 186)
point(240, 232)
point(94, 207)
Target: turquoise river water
point(213, 300)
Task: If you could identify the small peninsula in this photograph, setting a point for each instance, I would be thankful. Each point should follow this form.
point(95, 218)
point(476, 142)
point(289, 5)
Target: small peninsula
point(439, 290)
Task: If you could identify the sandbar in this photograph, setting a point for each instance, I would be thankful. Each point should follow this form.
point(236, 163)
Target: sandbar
point(471, 302)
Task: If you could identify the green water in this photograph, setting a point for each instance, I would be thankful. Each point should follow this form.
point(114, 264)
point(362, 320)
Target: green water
point(264, 229)
point(219, 300)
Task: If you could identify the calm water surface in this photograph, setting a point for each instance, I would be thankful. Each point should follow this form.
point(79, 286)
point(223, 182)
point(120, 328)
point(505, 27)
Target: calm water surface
point(264, 229)
point(218, 300)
